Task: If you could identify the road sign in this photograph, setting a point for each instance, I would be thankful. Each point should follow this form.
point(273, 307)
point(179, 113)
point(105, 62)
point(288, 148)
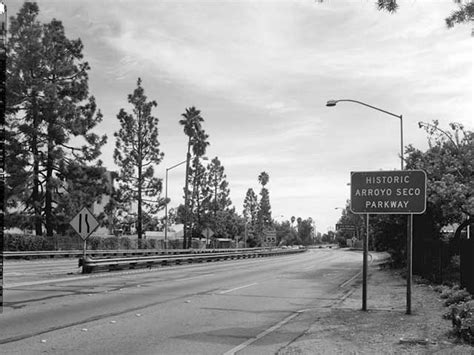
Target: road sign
point(388, 192)
point(345, 227)
point(270, 235)
point(207, 232)
point(84, 223)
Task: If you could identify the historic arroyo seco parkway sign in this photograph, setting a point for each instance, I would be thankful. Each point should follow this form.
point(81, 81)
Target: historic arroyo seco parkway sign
point(388, 192)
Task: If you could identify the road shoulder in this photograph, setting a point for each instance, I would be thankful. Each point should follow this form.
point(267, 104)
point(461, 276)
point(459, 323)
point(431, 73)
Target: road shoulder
point(384, 328)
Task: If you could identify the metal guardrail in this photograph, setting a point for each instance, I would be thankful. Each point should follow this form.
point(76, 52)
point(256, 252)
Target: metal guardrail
point(110, 253)
point(90, 265)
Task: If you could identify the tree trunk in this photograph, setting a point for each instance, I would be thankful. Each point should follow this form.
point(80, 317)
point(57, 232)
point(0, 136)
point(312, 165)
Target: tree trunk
point(191, 217)
point(48, 207)
point(35, 193)
point(140, 183)
point(186, 209)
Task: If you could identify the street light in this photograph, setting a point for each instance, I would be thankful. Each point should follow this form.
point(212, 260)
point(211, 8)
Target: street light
point(332, 103)
point(166, 201)
point(166, 197)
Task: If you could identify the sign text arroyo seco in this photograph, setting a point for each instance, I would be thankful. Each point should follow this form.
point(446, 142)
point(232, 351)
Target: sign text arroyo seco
point(388, 192)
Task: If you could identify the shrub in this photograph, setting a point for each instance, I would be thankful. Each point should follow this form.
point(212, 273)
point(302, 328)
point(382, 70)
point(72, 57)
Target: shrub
point(341, 241)
point(126, 243)
point(109, 243)
point(456, 296)
point(151, 244)
point(462, 317)
point(24, 242)
point(93, 243)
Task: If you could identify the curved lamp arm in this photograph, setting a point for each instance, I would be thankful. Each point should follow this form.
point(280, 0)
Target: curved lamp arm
point(332, 103)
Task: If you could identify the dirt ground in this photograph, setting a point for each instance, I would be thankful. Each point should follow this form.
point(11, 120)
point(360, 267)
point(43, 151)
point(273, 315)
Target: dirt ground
point(385, 327)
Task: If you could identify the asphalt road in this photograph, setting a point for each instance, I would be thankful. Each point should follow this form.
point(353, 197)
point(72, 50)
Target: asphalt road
point(250, 306)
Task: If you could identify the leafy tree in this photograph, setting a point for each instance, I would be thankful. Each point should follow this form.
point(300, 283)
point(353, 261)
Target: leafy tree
point(228, 224)
point(172, 215)
point(464, 13)
point(49, 104)
point(198, 175)
point(329, 237)
point(347, 217)
point(449, 165)
point(285, 234)
point(219, 187)
point(305, 231)
point(16, 188)
point(136, 152)
point(25, 88)
point(81, 182)
point(298, 223)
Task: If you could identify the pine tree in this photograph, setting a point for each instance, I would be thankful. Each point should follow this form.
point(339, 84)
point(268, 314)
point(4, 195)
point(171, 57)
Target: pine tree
point(50, 104)
point(136, 153)
point(219, 187)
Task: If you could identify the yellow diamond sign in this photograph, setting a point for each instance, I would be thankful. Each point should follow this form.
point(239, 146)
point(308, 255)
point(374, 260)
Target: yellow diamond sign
point(84, 223)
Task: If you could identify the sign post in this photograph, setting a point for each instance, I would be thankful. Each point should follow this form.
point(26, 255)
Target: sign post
point(409, 261)
point(365, 267)
point(84, 223)
point(207, 232)
point(389, 192)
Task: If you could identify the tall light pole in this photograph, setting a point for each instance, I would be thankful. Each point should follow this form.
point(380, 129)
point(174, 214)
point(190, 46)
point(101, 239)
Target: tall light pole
point(332, 103)
point(166, 201)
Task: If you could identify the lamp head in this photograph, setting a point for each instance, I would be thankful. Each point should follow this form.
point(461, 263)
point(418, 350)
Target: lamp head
point(331, 103)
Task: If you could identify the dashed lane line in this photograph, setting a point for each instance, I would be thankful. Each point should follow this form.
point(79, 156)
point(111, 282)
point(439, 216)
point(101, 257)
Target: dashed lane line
point(237, 288)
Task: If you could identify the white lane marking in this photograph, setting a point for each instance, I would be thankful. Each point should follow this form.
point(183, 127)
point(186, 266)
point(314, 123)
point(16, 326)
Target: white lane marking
point(358, 274)
point(193, 278)
point(262, 334)
point(33, 283)
point(237, 288)
point(350, 280)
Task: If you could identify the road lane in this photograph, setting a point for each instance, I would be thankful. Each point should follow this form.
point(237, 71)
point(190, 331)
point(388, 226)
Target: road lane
point(205, 308)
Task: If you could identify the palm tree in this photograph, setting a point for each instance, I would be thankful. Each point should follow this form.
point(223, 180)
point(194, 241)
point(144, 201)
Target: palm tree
point(191, 123)
point(199, 144)
point(263, 178)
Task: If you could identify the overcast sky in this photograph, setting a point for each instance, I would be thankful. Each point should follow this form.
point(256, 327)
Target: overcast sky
point(261, 73)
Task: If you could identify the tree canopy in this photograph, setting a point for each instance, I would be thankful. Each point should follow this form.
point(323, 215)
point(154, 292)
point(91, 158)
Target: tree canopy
point(48, 104)
point(137, 152)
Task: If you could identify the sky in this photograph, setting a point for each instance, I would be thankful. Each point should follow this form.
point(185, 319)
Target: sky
point(261, 73)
